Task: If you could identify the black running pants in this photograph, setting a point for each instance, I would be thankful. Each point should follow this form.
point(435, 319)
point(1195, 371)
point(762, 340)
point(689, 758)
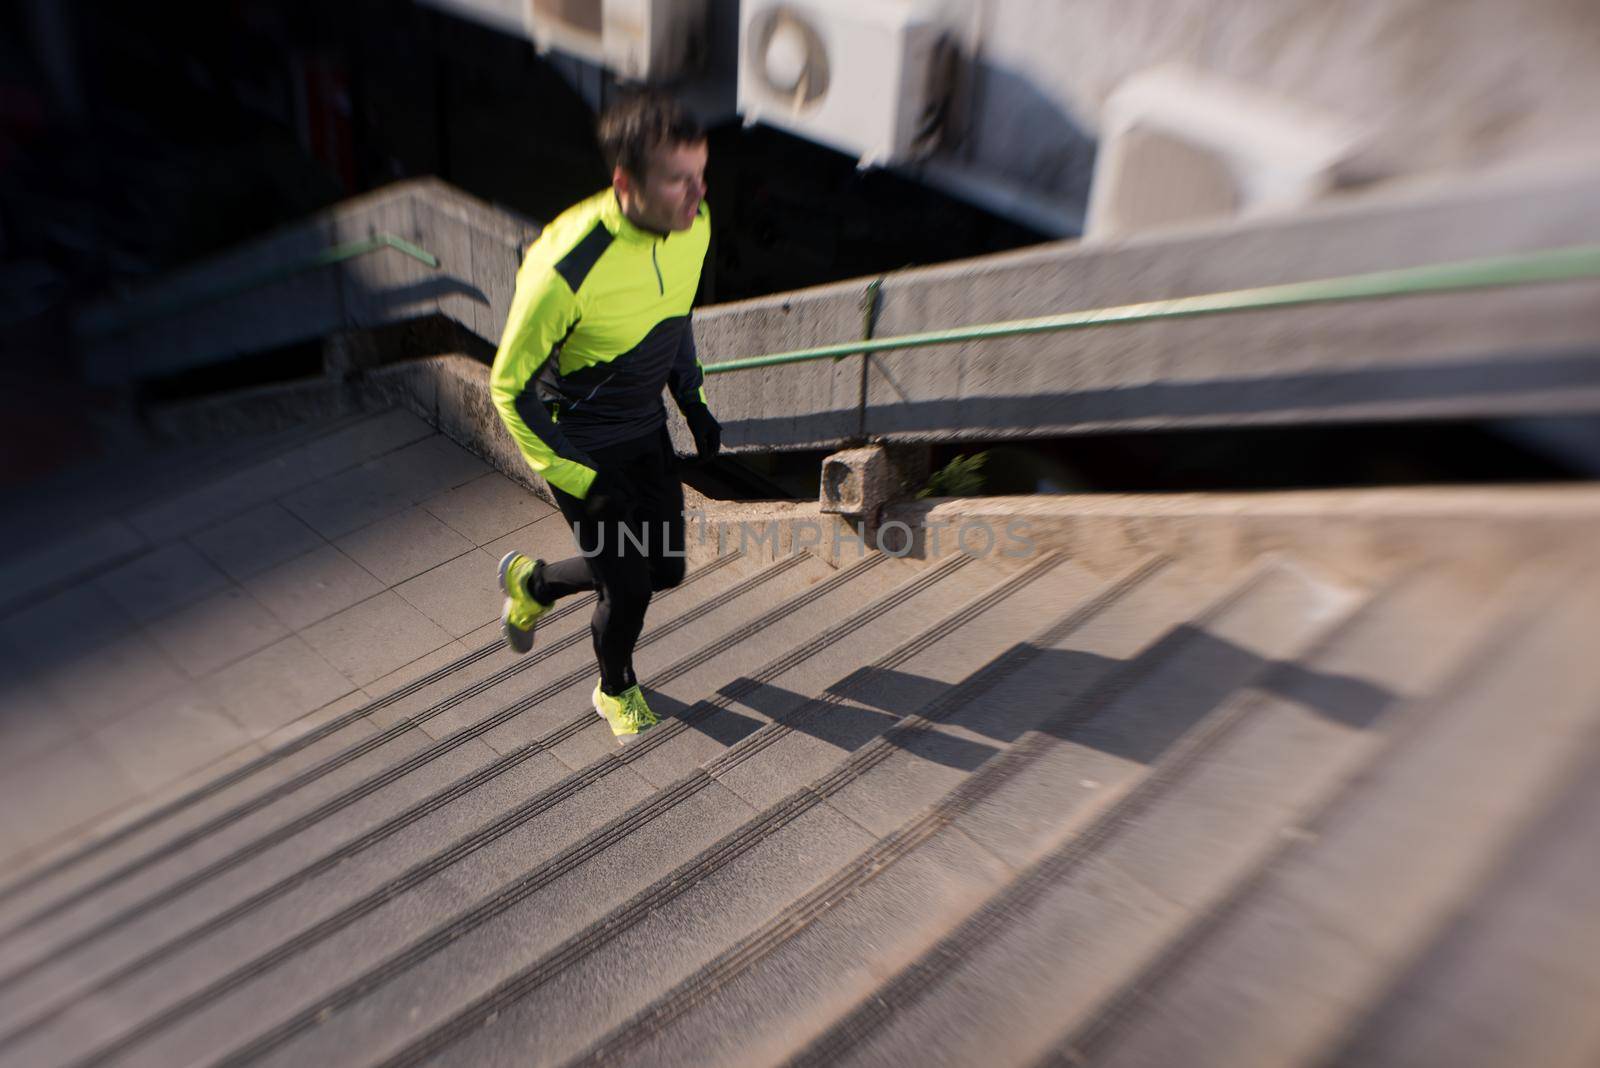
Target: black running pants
point(627, 554)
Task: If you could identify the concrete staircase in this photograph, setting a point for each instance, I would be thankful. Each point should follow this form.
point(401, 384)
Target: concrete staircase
point(1133, 807)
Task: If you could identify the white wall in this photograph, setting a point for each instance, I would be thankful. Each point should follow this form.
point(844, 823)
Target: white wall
point(1444, 84)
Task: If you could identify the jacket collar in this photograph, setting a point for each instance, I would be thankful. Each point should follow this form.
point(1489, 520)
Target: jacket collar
point(620, 225)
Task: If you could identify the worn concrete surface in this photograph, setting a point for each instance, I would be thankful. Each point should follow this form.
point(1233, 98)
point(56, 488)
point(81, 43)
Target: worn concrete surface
point(232, 613)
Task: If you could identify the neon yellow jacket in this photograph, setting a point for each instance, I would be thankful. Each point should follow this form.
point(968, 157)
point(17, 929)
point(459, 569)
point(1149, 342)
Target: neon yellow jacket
point(598, 325)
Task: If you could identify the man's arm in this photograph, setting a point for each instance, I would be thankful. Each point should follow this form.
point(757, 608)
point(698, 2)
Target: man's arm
point(543, 311)
point(686, 379)
point(686, 383)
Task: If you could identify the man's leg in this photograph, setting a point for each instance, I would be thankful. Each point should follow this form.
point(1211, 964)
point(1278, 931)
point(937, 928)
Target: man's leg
point(615, 563)
point(532, 586)
point(661, 513)
point(620, 577)
point(620, 574)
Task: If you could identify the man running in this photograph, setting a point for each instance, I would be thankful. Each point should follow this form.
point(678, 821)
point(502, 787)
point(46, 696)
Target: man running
point(598, 324)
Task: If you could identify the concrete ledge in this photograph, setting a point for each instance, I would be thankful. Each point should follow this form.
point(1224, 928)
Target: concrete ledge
point(1363, 527)
point(1358, 534)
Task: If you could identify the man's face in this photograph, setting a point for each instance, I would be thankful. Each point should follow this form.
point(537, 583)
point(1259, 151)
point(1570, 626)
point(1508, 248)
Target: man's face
point(668, 196)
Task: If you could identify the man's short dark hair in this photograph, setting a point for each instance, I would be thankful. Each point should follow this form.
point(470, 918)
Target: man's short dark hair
point(633, 127)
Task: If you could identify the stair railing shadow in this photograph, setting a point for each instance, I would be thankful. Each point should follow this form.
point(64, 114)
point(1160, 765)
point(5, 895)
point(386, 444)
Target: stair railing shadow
point(1043, 685)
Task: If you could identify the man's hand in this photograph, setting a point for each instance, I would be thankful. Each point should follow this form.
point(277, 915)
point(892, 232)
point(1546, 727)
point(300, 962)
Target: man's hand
point(610, 495)
point(706, 430)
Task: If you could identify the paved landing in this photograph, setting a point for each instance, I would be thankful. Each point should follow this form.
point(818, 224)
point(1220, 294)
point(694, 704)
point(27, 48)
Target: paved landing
point(167, 639)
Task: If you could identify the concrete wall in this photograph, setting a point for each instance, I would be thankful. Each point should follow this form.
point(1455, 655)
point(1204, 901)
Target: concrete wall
point(1512, 351)
point(178, 323)
point(1532, 350)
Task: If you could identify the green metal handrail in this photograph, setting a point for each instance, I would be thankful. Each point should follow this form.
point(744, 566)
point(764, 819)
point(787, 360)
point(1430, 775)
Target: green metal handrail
point(1554, 265)
point(325, 258)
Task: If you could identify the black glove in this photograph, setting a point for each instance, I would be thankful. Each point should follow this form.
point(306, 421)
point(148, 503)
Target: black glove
point(610, 495)
point(706, 430)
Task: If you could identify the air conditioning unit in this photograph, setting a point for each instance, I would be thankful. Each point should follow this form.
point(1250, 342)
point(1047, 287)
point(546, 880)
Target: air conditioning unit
point(873, 78)
point(1178, 145)
point(640, 40)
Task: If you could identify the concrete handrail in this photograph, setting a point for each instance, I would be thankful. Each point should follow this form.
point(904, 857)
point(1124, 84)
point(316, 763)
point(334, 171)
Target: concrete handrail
point(1554, 265)
point(114, 322)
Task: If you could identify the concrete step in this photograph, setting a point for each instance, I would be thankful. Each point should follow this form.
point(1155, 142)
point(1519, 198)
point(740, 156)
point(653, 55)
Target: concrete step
point(1510, 979)
point(673, 824)
point(923, 875)
point(349, 737)
point(1062, 937)
point(547, 1011)
point(346, 797)
point(309, 934)
point(1286, 966)
point(740, 1006)
point(1084, 639)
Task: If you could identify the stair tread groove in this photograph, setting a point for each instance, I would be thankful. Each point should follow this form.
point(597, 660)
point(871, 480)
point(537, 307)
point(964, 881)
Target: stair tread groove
point(818, 594)
point(281, 753)
point(1337, 864)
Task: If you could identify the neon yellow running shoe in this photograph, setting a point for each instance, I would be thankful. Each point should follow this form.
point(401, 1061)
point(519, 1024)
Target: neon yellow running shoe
point(521, 611)
point(627, 713)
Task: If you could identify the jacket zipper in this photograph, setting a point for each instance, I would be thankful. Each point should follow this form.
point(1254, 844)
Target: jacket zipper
point(660, 284)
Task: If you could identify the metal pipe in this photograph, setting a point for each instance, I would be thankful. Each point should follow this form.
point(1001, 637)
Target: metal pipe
point(114, 322)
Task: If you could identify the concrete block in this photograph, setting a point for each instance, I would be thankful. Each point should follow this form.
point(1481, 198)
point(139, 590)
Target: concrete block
point(411, 386)
point(1510, 353)
point(468, 415)
point(857, 482)
point(347, 354)
point(456, 203)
